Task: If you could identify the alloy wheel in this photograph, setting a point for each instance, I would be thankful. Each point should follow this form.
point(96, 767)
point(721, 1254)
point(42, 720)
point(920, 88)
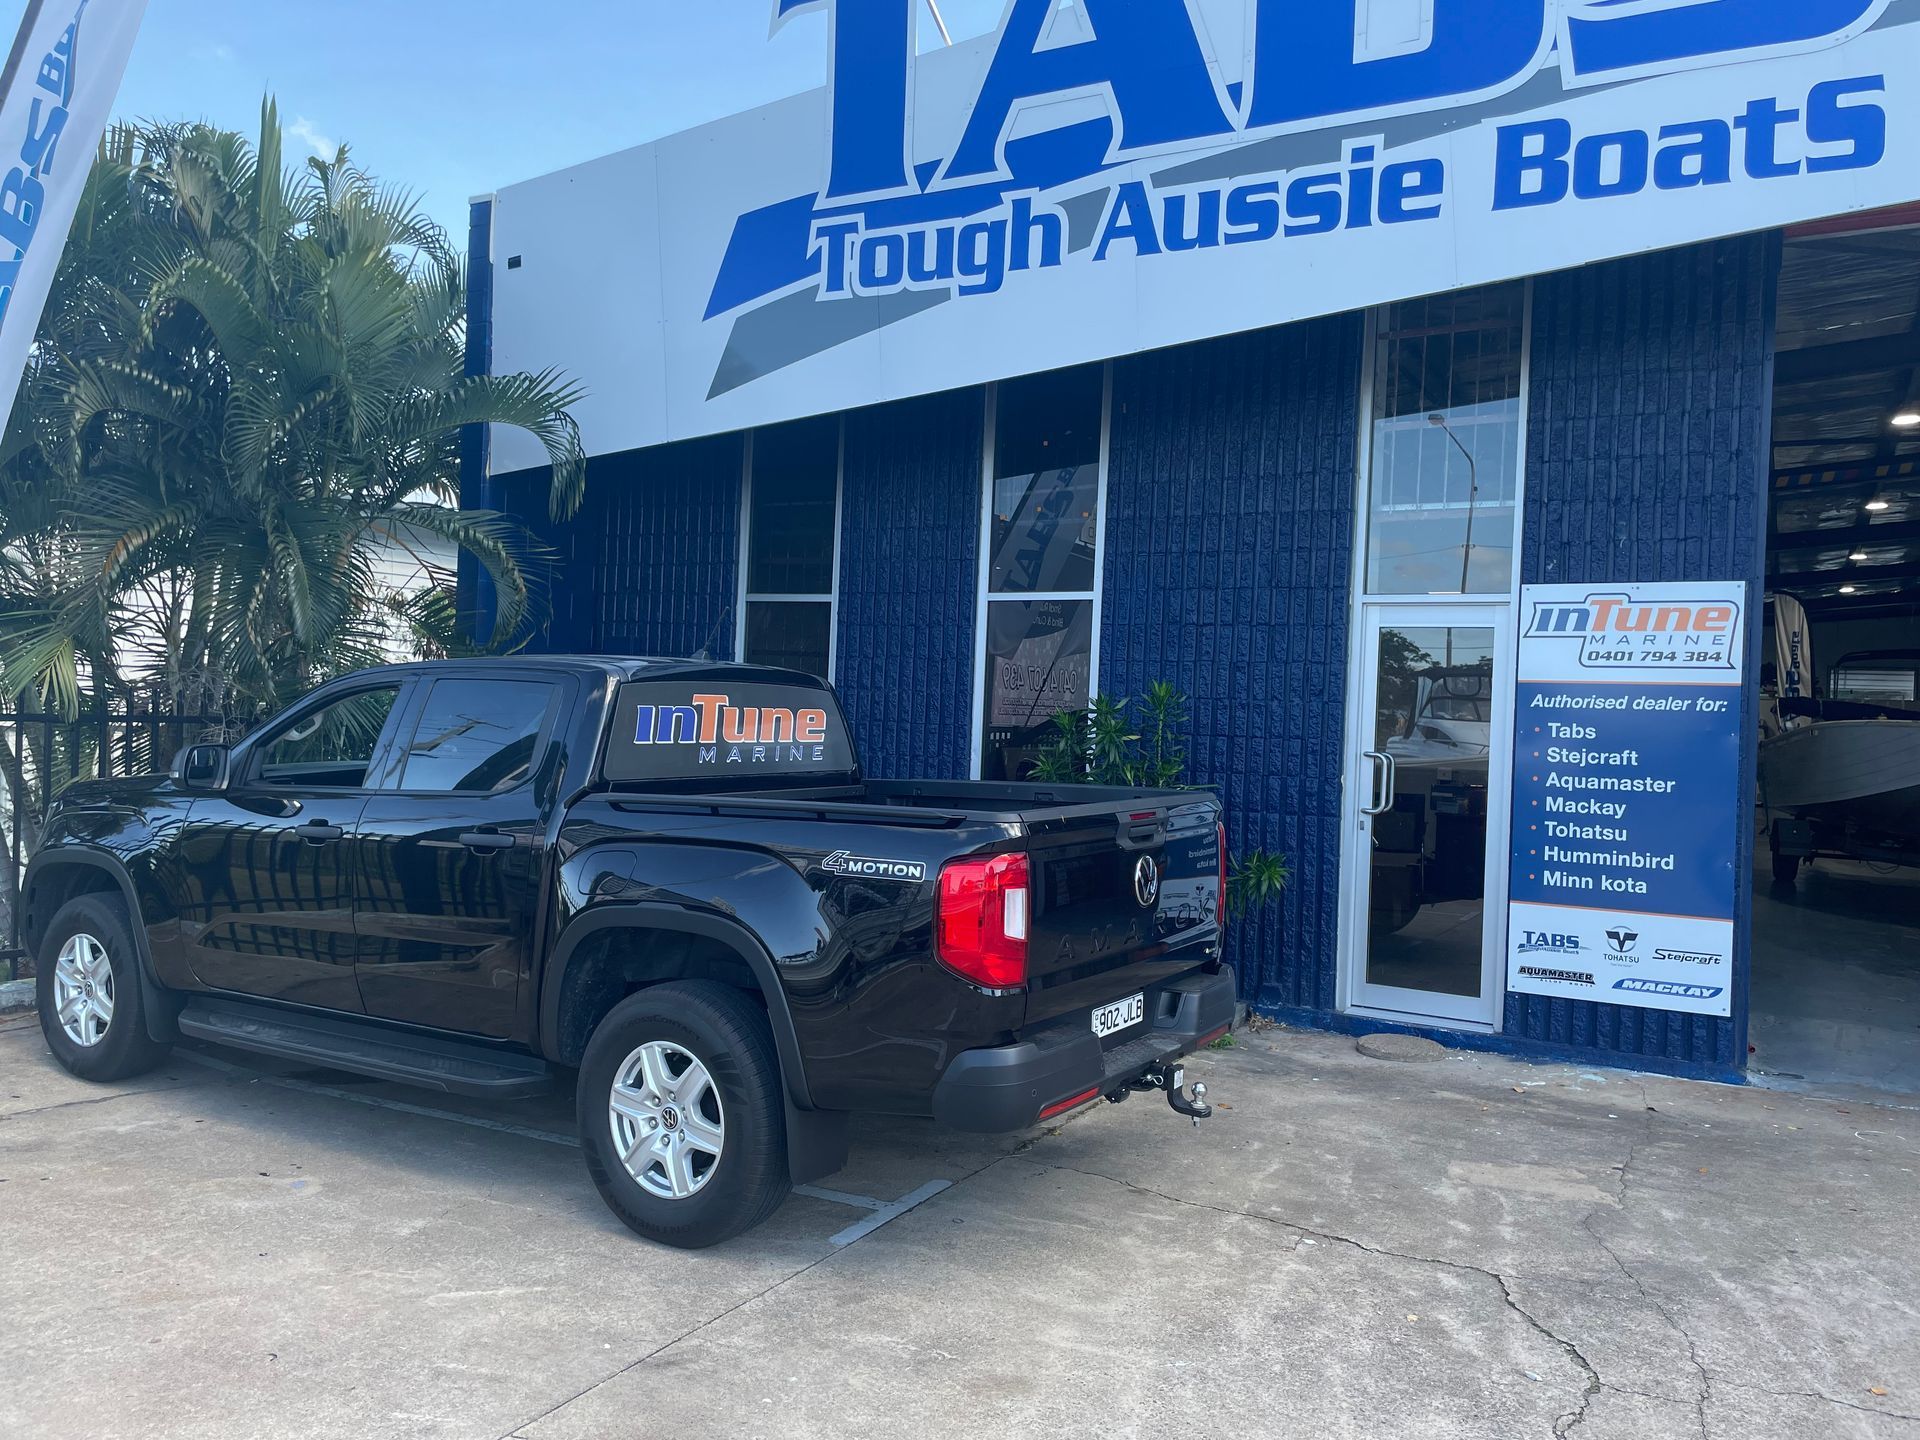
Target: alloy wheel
point(668, 1124)
point(83, 990)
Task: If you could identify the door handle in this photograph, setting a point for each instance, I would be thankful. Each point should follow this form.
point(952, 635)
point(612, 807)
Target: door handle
point(486, 841)
point(1382, 787)
point(319, 832)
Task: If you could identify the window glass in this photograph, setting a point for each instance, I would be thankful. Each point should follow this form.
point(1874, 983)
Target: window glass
point(1044, 530)
point(477, 735)
point(791, 636)
point(1039, 663)
point(1045, 538)
point(332, 746)
point(796, 472)
point(1445, 464)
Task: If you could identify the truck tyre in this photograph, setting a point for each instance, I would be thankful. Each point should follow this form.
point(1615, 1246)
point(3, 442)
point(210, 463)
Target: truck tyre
point(681, 1113)
point(92, 1009)
point(1785, 868)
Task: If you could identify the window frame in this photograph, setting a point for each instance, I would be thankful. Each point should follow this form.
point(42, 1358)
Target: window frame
point(745, 598)
point(394, 772)
point(253, 763)
point(1362, 591)
point(984, 597)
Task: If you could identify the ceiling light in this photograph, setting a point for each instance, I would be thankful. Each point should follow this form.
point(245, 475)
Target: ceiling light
point(1857, 556)
point(1906, 419)
point(1849, 589)
point(1876, 506)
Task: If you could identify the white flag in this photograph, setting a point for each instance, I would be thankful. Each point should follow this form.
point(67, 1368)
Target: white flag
point(55, 97)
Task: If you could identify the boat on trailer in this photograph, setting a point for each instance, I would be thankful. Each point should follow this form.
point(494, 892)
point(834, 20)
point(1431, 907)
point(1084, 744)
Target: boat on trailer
point(1840, 776)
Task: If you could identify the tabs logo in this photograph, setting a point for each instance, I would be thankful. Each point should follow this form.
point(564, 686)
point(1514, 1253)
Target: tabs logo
point(1672, 989)
point(731, 734)
point(1534, 942)
point(1614, 632)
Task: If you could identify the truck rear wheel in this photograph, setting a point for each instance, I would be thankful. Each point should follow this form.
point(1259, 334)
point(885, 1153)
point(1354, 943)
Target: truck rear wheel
point(681, 1115)
point(88, 992)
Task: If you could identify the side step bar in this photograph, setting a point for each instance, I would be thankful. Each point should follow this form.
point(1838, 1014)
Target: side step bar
point(364, 1049)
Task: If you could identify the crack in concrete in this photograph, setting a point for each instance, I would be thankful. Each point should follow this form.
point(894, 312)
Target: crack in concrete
point(96, 1100)
point(1563, 1426)
point(1819, 1395)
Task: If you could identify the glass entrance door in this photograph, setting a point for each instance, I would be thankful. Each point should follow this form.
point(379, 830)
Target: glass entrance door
point(1426, 822)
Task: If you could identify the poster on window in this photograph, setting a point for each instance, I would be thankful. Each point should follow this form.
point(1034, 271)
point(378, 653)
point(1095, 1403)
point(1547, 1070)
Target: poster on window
point(1626, 794)
point(1040, 658)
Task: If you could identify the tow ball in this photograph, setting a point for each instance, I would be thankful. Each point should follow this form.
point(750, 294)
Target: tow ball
point(1170, 1076)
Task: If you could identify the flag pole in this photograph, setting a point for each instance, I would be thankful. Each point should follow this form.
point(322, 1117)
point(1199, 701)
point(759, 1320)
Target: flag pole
point(19, 50)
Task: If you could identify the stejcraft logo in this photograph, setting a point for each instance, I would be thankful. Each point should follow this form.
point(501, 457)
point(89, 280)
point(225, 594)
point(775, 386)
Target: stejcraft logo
point(1614, 632)
point(870, 867)
point(1691, 957)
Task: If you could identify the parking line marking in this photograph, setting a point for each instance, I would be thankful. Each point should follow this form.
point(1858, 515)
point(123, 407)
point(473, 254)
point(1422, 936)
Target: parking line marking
point(841, 1197)
point(287, 1082)
point(860, 1229)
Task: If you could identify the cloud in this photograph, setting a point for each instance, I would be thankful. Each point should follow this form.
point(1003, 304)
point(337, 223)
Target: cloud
point(303, 129)
point(223, 52)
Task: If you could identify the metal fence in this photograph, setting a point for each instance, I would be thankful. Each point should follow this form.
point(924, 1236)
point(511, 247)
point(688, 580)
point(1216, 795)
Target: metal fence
point(41, 754)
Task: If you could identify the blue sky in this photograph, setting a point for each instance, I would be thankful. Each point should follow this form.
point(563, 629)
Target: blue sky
point(452, 98)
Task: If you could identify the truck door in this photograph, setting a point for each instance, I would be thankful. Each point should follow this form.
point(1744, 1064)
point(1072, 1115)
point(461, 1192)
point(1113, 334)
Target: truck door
point(449, 856)
point(267, 884)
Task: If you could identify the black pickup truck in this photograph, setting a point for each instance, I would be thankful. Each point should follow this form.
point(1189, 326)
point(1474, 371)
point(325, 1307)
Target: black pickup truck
point(668, 875)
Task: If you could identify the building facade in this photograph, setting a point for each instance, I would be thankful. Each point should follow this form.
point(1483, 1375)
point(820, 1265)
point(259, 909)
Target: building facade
point(1309, 477)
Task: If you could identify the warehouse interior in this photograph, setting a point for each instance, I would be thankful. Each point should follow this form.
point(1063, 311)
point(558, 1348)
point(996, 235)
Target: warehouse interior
point(1836, 971)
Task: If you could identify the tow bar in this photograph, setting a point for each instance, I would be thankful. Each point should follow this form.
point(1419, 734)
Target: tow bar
point(1170, 1076)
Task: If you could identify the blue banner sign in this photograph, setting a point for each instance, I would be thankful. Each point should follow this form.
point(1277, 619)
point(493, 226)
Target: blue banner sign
point(1626, 794)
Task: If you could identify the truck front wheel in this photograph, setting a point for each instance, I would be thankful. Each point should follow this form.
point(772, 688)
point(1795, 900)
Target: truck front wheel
point(681, 1115)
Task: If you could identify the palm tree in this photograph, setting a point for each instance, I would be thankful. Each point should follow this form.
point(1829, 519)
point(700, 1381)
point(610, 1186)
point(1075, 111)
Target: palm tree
point(248, 386)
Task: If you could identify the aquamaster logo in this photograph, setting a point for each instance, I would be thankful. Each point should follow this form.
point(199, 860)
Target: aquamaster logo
point(1561, 977)
point(1316, 140)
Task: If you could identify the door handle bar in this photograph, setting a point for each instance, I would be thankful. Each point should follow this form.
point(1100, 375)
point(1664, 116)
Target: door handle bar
point(486, 840)
point(1380, 788)
point(319, 832)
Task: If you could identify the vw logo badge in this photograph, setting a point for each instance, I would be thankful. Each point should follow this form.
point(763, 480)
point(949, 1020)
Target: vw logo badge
point(1146, 882)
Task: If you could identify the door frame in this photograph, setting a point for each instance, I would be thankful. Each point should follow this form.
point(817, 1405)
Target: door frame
point(1354, 993)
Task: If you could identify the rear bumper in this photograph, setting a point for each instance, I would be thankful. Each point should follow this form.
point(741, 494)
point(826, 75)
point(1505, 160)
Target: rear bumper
point(1006, 1087)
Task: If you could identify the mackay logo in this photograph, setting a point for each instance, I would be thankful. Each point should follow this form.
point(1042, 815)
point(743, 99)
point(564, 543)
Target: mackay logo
point(725, 733)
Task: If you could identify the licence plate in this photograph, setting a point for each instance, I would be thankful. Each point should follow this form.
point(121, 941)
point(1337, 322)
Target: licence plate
point(1108, 1019)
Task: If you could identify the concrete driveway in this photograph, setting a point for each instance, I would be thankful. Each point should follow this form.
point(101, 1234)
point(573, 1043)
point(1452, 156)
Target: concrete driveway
point(1353, 1248)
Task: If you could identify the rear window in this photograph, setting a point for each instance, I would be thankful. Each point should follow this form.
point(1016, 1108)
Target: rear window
point(741, 734)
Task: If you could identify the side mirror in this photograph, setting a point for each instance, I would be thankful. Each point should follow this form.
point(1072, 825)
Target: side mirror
point(203, 767)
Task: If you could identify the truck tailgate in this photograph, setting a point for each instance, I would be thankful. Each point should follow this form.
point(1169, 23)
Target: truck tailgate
point(1122, 902)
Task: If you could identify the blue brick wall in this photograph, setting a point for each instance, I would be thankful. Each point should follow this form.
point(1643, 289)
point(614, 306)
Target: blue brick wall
point(909, 557)
point(1230, 498)
point(1647, 454)
point(650, 564)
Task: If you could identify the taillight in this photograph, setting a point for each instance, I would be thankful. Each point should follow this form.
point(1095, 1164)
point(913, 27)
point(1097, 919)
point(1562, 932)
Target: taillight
point(980, 928)
point(1221, 918)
